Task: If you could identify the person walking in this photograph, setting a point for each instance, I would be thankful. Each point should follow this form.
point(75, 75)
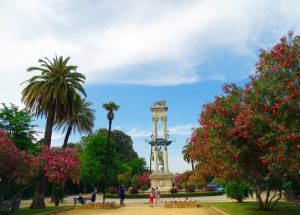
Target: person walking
point(93, 198)
point(122, 195)
point(157, 197)
point(80, 199)
point(151, 196)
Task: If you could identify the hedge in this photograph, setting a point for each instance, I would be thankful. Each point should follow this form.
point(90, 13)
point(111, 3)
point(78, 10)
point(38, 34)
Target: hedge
point(169, 195)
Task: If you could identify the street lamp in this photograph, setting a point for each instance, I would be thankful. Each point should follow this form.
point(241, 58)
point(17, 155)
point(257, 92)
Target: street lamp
point(186, 190)
point(110, 107)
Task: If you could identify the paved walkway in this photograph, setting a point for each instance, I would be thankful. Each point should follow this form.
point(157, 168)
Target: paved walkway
point(143, 209)
point(220, 198)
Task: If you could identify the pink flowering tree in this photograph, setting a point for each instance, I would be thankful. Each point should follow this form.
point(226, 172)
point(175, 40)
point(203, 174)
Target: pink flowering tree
point(19, 167)
point(252, 133)
point(143, 179)
point(15, 165)
point(59, 164)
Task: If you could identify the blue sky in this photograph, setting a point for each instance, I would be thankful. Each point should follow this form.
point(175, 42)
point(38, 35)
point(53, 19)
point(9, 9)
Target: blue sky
point(135, 52)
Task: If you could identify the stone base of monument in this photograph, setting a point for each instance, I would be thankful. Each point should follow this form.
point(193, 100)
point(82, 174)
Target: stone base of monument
point(164, 181)
point(101, 205)
point(181, 204)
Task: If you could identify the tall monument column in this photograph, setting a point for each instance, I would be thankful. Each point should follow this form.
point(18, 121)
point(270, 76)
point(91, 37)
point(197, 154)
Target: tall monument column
point(165, 149)
point(163, 180)
point(155, 152)
point(154, 127)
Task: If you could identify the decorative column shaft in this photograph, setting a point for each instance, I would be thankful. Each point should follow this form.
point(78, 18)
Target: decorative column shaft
point(166, 165)
point(154, 121)
point(164, 127)
point(155, 159)
point(154, 124)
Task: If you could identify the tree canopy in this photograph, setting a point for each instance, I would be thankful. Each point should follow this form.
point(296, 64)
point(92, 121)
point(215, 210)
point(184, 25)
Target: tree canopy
point(18, 125)
point(252, 132)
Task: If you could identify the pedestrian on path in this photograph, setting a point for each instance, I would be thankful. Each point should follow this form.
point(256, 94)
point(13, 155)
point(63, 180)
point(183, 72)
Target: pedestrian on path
point(151, 196)
point(157, 196)
point(93, 198)
point(122, 195)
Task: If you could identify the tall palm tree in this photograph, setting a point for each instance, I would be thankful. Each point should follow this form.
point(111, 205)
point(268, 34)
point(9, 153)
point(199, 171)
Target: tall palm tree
point(186, 152)
point(110, 107)
point(82, 121)
point(55, 94)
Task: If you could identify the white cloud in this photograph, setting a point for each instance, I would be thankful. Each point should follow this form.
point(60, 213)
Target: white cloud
point(136, 133)
point(182, 129)
point(57, 137)
point(138, 42)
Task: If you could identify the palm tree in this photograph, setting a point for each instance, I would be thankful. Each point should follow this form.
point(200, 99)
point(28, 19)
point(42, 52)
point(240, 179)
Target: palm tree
point(186, 152)
point(110, 107)
point(54, 94)
point(82, 121)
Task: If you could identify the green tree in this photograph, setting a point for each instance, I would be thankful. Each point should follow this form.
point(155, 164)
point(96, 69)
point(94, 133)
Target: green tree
point(18, 125)
point(54, 94)
point(82, 121)
point(93, 160)
point(124, 144)
point(187, 155)
point(110, 107)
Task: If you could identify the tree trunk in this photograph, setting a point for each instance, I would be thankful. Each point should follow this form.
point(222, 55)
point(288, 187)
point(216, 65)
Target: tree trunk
point(106, 160)
point(2, 193)
point(193, 165)
point(39, 194)
point(39, 198)
point(49, 126)
point(67, 137)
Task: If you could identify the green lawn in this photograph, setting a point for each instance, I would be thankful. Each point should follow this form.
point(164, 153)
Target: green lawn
point(250, 208)
point(45, 211)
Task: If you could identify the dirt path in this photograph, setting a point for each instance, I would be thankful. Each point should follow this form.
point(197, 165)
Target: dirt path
point(143, 209)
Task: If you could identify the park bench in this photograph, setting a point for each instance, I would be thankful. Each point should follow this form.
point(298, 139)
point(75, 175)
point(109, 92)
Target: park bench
point(292, 197)
point(85, 199)
point(6, 204)
point(11, 205)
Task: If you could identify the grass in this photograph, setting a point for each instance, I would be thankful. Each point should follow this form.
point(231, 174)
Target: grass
point(250, 208)
point(44, 211)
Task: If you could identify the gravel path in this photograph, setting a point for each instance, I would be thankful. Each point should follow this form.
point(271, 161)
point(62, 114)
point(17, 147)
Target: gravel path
point(143, 209)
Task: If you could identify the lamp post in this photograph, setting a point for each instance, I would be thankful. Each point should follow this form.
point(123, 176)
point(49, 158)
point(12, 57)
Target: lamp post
point(110, 107)
point(186, 178)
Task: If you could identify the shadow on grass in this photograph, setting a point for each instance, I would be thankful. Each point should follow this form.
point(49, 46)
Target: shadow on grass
point(45, 211)
point(251, 208)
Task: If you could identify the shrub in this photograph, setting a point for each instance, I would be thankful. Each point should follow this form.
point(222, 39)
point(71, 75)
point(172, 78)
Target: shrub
point(173, 190)
point(238, 190)
point(219, 181)
point(179, 187)
point(288, 186)
point(133, 190)
point(210, 188)
point(145, 187)
point(5, 211)
point(113, 190)
point(191, 188)
point(168, 195)
point(57, 195)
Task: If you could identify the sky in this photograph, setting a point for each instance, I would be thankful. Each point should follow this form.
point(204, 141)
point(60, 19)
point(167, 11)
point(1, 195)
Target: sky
point(137, 52)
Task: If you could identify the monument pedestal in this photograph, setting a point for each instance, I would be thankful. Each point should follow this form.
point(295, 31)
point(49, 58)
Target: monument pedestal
point(164, 181)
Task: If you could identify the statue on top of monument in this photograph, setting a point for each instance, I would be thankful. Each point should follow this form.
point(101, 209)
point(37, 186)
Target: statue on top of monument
point(159, 103)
